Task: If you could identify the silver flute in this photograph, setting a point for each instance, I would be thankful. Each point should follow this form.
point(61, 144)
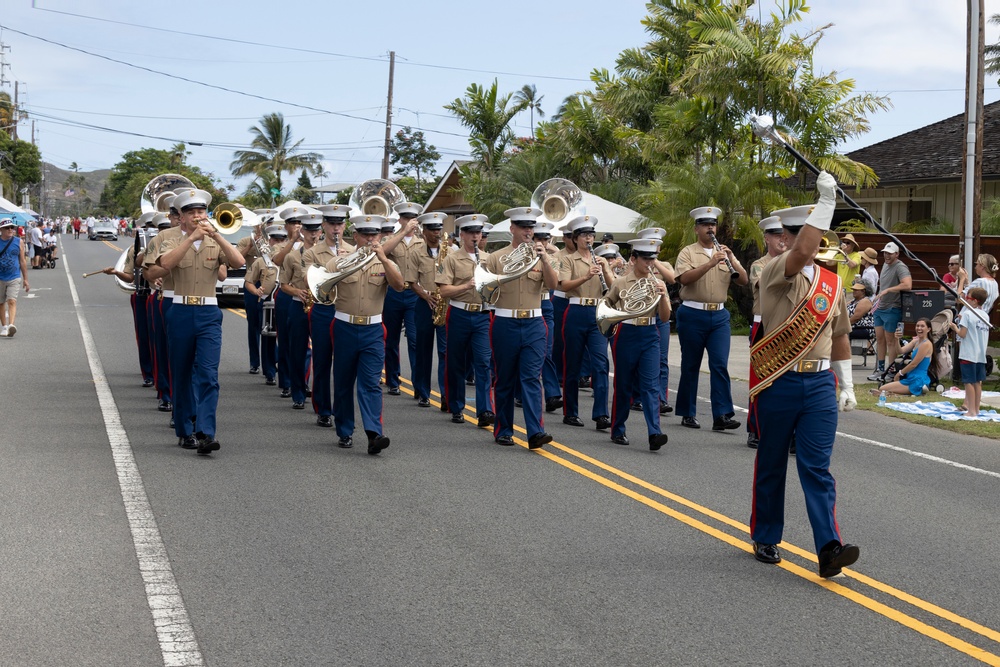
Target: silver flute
point(733, 273)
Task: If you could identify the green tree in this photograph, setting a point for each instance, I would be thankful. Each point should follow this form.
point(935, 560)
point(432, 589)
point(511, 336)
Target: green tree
point(303, 190)
point(272, 148)
point(21, 165)
point(487, 115)
point(410, 154)
point(123, 189)
point(532, 101)
point(6, 114)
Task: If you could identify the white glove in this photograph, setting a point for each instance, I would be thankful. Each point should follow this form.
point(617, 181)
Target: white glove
point(842, 369)
point(822, 213)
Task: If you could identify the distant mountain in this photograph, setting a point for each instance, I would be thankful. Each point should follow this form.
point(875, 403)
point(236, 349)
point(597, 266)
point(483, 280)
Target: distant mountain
point(64, 200)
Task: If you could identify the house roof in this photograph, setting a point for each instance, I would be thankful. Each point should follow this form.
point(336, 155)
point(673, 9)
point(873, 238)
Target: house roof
point(934, 152)
point(449, 180)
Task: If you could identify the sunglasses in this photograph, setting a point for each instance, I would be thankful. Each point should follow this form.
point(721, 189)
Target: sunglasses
point(952, 263)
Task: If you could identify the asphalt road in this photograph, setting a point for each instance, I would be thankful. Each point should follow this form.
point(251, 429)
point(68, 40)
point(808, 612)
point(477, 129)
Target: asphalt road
point(446, 549)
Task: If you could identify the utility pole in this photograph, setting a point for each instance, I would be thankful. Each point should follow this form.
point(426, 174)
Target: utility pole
point(3, 64)
point(972, 166)
point(388, 117)
point(16, 115)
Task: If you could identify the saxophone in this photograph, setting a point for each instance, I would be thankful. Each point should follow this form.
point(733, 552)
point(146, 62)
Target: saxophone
point(441, 310)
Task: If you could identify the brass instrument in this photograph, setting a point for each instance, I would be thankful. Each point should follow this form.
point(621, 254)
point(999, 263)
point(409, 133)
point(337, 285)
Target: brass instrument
point(515, 265)
point(441, 309)
point(376, 197)
point(559, 200)
point(639, 300)
point(593, 261)
point(262, 246)
point(153, 199)
point(267, 327)
point(733, 273)
point(322, 282)
point(829, 249)
point(228, 218)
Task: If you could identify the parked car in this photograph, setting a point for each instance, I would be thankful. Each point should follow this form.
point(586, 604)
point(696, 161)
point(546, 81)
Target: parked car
point(105, 229)
point(230, 290)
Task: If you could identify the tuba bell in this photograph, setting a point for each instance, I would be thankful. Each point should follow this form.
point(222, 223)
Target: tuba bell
point(515, 265)
point(376, 197)
point(559, 200)
point(322, 282)
point(639, 300)
point(154, 195)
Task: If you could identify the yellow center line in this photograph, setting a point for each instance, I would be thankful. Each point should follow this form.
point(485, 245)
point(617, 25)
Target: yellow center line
point(236, 311)
point(859, 598)
point(111, 245)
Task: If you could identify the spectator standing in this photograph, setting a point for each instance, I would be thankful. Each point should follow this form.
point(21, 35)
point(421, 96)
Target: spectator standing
point(869, 260)
point(986, 271)
point(76, 228)
point(894, 279)
point(37, 245)
point(13, 275)
point(852, 267)
point(972, 352)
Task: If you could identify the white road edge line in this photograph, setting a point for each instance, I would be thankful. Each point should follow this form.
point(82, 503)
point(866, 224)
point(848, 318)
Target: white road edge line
point(178, 645)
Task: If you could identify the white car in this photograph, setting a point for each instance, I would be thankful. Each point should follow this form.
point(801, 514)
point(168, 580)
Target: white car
point(230, 290)
point(105, 229)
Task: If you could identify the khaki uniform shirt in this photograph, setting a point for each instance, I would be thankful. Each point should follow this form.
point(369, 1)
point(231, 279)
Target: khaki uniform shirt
point(574, 267)
point(621, 284)
point(458, 268)
point(198, 271)
point(153, 251)
point(756, 269)
point(422, 267)
point(293, 269)
point(523, 293)
point(363, 292)
point(779, 296)
point(248, 249)
point(713, 287)
point(399, 254)
point(321, 254)
point(267, 275)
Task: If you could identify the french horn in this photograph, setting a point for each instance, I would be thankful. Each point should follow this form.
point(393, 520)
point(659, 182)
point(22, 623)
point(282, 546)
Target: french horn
point(321, 282)
point(376, 197)
point(516, 264)
point(639, 300)
point(559, 200)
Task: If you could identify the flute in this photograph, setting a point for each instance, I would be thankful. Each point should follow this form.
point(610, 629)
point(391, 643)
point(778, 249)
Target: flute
point(733, 273)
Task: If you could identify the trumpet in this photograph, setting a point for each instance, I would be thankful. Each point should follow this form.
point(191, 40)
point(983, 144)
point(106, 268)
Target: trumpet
point(729, 265)
point(228, 218)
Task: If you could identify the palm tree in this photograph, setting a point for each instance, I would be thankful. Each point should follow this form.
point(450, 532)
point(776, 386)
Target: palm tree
point(529, 97)
point(272, 149)
point(488, 118)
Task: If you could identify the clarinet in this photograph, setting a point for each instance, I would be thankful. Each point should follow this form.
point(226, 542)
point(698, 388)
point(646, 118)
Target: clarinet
point(593, 260)
point(733, 273)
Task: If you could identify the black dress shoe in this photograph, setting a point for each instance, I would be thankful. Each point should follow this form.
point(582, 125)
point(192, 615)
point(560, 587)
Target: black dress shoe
point(665, 409)
point(423, 402)
point(536, 441)
point(690, 422)
point(377, 444)
point(573, 421)
point(392, 391)
point(725, 424)
point(309, 393)
point(486, 419)
point(208, 445)
point(637, 406)
point(187, 442)
point(444, 406)
point(165, 406)
point(148, 382)
point(791, 448)
point(657, 440)
point(833, 558)
point(286, 393)
point(518, 403)
point(603, 423)
point(470, 383)
point(326, 421)
point(505, 441)
point(585, 382)
point(752, 440)
point(346, 442)
point(298, 406)
point(767, 553)
point(270, 382)
point(458, 418)
point(620, 439)
point(254, 370)
point(553, 404)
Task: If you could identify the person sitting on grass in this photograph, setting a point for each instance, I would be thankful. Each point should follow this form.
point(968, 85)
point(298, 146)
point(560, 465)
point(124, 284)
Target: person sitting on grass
point(972, 352)
point(912, 379)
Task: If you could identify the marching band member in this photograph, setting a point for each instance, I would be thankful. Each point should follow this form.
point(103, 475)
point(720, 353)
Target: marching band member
point(321, 314)
point(517, 334)
point(703, 321)
point(665, 272)
point(583, 277)
point(467, 326)
point(636, 349)
point(774, 244)
point(251, 305)
point(559, 304)
point(292, 217)
point(359, 338)
point(552, 389)
point(422, 267)
point(805, 326)
point(293, 283)
point(161, 303)
point(195, 322)
point(399, 306)
point(138, 301)
point(260, 282)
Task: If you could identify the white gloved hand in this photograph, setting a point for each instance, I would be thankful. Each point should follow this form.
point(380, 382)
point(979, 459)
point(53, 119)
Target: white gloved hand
point(822, 213)
point(842, 369)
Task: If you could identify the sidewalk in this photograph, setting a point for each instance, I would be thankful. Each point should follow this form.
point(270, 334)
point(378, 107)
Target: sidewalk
point(739, 366)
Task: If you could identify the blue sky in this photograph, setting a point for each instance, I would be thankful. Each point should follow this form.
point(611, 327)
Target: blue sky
point(912, 50)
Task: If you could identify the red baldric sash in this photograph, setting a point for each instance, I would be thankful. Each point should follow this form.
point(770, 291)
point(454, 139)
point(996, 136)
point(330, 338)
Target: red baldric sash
point(774, 354)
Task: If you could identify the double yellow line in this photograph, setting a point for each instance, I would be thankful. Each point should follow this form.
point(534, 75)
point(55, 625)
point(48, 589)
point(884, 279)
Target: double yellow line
point(744, 545)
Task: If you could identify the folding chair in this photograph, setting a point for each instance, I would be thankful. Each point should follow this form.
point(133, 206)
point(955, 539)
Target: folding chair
point(863, 343)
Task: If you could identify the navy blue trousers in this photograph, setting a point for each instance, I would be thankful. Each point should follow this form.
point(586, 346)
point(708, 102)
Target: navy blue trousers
point(636, 351)
point(297, 326)
point(195, 335)
point(320, 321)
point(159, 311)
point(359, 353)
point(251, 306)
point(580, 334)
point(397, 312)
point(467, 331)
point(424, 365)
point(282, 302)
point(699, 331)
point(518, 351)
point(142, 338)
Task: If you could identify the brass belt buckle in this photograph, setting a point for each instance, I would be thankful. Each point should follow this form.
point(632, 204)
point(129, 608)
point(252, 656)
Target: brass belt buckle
point(642, 321)
point(588, 302)
point(474, 307)
point(359, 319)
point(522, 314)
point(192, 300)
point(808, 366)
point(712, 306)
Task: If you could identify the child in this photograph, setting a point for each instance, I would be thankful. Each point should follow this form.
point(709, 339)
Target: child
point(972, 355)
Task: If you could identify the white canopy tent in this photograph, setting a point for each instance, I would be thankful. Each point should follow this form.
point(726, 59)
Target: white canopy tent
point(611, 218)
point(20, 215)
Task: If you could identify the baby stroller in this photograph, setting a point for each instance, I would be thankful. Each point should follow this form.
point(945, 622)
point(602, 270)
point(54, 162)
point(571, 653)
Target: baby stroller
point(941, 361)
